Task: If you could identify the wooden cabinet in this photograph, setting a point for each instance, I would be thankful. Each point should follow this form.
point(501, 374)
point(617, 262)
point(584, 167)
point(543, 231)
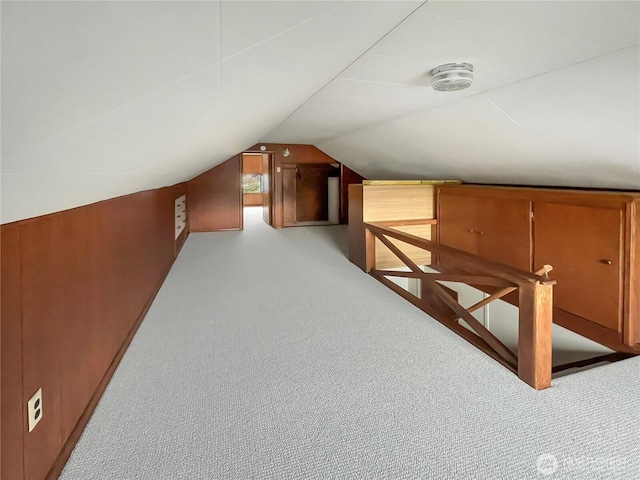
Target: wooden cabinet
point(493, 228)
point(585, 247)
point(591, 238)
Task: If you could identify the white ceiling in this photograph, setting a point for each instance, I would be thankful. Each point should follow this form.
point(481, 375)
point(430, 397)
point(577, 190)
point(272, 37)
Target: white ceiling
point(101, 99)
point(554, 100)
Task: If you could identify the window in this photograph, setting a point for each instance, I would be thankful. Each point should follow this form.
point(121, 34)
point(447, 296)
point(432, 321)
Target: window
point(251, 183)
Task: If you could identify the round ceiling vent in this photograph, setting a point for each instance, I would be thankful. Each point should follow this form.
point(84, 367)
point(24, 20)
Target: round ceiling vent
point(451, 77)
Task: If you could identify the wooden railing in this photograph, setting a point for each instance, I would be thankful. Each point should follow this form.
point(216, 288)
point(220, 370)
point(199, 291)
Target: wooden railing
point(532, 363)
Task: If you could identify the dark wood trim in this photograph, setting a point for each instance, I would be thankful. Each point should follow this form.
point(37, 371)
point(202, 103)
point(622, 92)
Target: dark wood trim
point(609, 358)
point(71, 442)
point(595, 198)
point(602, 335)
point(211, 230)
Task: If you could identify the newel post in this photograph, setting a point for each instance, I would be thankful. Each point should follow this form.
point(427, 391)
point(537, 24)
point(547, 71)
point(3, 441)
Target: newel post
point(534, 337)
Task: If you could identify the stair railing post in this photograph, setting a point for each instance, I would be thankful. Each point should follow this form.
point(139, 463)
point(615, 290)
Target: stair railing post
point(534, 337)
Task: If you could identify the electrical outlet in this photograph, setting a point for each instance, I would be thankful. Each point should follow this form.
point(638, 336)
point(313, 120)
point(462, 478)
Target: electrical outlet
point(34, 409)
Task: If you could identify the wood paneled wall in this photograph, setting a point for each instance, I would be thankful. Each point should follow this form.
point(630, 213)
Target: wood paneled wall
point(11, 421)
point(252, 199)
point(214, 200)
point(297, 154)
point(75, 286)
point(252, 163)
point(347, 177)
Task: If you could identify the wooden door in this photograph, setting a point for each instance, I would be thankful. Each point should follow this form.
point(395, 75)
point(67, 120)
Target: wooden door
point(457, 221)
point(267, 190)
point(289, 195)
point(312, 192)
point(584, 246)
point(504, 231)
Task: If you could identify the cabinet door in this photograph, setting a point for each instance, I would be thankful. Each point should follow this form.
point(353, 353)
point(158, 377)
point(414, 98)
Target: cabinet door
point(584, 246)
point(457, 219)
point(504, 231)
point(498, 229)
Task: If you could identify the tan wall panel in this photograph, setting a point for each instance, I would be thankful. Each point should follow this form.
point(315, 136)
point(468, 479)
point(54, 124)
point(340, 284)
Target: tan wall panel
point(385, 258)
point(252, 199)
point(398, 202)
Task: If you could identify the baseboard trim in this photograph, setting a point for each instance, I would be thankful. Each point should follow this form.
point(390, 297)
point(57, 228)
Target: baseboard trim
point(76, 433)
point(204, 230)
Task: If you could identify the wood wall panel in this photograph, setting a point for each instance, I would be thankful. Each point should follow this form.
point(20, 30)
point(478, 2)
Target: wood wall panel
point(11, 425)
point(252, 163)
point(356, 237)
point(347, 177)
point(312, 193)
point(86, 278)
point(252, 199)
point(43, 338)
point(298, 154)
point(215, 198)
point(632, 279)
point(398, 202)
point(385, 258)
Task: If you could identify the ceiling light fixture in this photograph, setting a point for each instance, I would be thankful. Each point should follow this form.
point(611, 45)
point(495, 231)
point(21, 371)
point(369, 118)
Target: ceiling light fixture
point(451, 77)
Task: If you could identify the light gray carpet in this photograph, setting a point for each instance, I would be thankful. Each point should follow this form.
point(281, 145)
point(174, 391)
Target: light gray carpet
point(268, 355)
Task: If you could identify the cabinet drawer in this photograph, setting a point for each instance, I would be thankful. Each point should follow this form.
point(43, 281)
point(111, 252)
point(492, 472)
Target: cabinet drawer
point(584, 246)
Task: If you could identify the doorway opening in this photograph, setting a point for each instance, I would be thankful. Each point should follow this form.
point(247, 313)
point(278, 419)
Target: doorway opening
point(256, 188)
point(310, 194)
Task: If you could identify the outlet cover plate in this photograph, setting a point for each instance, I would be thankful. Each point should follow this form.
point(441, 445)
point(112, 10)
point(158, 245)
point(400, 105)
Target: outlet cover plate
point(34, 409)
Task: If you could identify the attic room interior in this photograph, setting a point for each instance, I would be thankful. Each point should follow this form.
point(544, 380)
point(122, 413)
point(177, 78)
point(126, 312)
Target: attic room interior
point(320, 239)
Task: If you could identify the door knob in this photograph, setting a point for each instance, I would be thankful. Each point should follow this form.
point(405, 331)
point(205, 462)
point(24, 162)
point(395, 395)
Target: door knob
point(606, 262)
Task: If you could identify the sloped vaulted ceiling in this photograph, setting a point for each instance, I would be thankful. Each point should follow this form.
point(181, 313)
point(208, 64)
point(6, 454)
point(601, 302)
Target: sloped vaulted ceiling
point(555, 100)
point(101, 99)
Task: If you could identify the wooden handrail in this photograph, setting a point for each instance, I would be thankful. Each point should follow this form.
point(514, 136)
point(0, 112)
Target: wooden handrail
point(535, 294)
point(402, 223)
point(464, 260)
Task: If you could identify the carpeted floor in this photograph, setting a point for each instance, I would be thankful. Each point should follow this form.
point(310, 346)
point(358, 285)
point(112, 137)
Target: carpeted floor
point(267, 355)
